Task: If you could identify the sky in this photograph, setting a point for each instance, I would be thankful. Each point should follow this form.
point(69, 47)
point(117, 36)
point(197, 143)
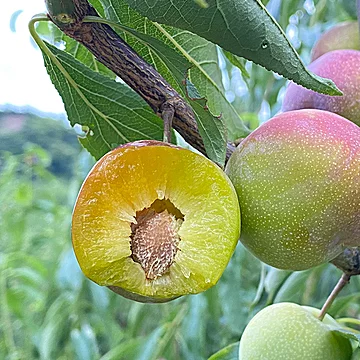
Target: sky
point(23, 77)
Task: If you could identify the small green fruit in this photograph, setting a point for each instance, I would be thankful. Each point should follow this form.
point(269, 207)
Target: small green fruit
point(154, 221)
point(342, 36)
point(298, 181)
point(288, 331)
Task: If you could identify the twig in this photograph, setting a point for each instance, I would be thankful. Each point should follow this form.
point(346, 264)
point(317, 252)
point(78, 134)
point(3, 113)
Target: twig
point(112, 51)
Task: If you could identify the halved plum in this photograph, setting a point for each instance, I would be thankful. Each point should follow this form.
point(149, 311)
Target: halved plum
point(155, 221)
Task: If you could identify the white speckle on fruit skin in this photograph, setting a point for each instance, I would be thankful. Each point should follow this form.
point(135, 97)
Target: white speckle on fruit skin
point(297, 179)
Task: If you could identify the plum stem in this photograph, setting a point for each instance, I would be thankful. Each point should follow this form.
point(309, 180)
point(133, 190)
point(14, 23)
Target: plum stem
point(345, 278)
point(167, 114)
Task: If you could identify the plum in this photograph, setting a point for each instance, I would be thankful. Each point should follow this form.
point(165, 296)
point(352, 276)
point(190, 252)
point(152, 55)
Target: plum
point(344, 35)
point(287, 331)
point(154, 221)
point(341, 66)
point(297, 177)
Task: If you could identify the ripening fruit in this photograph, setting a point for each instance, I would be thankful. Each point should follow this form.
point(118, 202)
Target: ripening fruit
point(344, 35)
point(341, 66)
point(288, 331)
point(154, 221)
point(297, 177)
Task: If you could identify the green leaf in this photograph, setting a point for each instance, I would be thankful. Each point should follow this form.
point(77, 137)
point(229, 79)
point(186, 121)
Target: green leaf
point(293, 287)
point(129, 349)
point(200, 55)
point(356, 354)
point(211, 128)
point(342, 302)
point(245, 28)
point(230, 352)
point(348, 335)
point(238, 62)
point(111, 112)
point(275, 278)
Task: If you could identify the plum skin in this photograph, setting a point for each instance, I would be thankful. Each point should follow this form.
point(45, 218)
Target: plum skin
point(341, 66)
point(290, 331)
point(298, 182)
point(344, 35)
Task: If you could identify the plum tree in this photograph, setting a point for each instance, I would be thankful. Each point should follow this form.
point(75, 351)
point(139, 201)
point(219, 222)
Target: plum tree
point(344, 35)
point(343, 67)
point(289, 331)
point(154, 221)
point(297, 177)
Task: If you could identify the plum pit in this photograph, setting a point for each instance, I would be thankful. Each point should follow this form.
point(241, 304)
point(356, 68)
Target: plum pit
point(154, 237)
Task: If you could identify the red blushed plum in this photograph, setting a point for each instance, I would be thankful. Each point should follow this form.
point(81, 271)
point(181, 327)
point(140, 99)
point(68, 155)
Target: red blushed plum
point(342, 36)
point(341, 66)
point(298, 182)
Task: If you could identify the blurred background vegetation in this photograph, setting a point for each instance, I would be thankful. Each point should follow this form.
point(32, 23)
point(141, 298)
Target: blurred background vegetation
point(50, 311)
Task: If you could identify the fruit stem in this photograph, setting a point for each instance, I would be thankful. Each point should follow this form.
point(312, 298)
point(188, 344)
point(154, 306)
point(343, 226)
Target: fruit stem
point(345, 278)
point(167, 114)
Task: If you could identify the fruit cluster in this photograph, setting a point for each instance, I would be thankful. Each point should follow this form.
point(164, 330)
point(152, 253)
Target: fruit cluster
point(298, 181)
point(154, 221)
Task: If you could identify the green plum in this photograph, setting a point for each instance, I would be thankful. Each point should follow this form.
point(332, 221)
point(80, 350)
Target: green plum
point(341, 66)
point(297, 177)
point(344, 35)
point(287, 331)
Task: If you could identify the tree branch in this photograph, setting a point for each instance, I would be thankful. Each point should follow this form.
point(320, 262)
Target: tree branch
point(112, 51)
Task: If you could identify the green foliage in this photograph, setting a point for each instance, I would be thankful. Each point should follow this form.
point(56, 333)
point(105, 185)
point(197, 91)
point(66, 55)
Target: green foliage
point(245, 28)
point(111, 112)
point(267, 45)
point(20, 132)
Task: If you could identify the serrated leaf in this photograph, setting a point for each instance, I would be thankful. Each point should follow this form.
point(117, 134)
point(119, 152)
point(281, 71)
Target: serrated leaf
point(202, 56)
point(211, 128)
point(243, 27)
point(113, 113)
point(230, 352)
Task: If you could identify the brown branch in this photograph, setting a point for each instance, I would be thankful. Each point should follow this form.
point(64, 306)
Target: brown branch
point(348, 261)
point(112, 51)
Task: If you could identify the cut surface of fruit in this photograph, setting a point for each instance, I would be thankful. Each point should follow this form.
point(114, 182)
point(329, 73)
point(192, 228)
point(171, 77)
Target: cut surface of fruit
point(154, 221)
point(287, 331)
point(298, 181)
